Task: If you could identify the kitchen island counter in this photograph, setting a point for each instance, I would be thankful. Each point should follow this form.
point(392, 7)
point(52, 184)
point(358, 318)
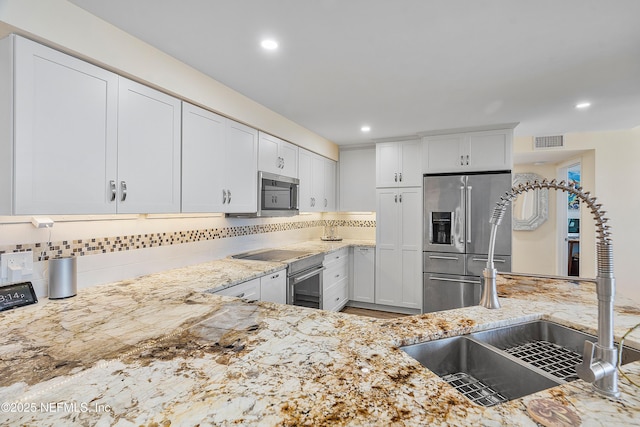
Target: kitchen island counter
point(158, 350)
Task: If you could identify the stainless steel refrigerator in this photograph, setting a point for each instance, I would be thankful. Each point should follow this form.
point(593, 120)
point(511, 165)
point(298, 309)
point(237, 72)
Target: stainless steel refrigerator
point(457, 209)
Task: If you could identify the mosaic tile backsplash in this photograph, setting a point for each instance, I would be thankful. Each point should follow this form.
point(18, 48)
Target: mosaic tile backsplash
point(100, 245)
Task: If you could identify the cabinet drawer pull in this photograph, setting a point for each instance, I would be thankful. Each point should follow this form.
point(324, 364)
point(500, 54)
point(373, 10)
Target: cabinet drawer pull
point(461, 160)
point(275, 276)
point(395, 177)
point(400, 176)
point(123, 190)
point(228, 196)
point(224, 197)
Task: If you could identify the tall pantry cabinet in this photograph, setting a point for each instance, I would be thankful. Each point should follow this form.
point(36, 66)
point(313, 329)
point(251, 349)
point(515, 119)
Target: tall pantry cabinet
point(79, 137)
point(399, 224)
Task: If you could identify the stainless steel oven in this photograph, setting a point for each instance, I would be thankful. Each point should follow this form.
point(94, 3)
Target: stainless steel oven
point(304, 282)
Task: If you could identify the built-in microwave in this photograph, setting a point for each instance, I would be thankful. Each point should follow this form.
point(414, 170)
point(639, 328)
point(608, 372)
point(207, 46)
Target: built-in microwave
point(277, 196)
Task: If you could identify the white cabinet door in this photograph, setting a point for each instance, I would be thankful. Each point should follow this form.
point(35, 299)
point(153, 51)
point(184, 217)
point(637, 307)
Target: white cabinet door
point(241, 168)
point(277, 156)
point(269, 153)
point(273, 287)
point(399, 164)
point(443, 153)
point(410, 164)
point(304, 173)
point(363, 279)
point(148, 150)
point(65, 133)
point(289, 155)
point(203, 162)
point(388, 267)
point(329, 186)
point(317, 183)
point(357, 180)
point(399, 248)
point(387, 164)
point(410, 245)
point(491, 150)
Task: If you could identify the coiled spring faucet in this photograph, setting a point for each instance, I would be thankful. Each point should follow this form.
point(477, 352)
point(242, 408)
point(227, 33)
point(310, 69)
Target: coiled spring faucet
point(599, 360)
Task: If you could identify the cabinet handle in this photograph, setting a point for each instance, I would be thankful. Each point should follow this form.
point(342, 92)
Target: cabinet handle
point(112, 186)
point(395, 198)
point(228, 196)
point(325, 203)
point(400, 176)
point(337, 298)
point(400, 198)
point(337, 275)
point(239, 295)
point(395, 177)
point(123, 191)
point(467, 160)
point(275, 276)
point(224, 197)
point(461, 160)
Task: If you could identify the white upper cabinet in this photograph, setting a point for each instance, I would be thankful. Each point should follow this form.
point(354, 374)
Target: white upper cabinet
point(277, 156)
point(148, 150)
point(398, 164)
point(86, 141)
point(469, 152)
point(219, 163)
point(241, 168)
point(203, 140)
point(65, 132)
point(317, 176)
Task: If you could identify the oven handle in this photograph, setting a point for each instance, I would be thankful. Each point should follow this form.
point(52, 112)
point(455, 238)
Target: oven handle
point(298, 279)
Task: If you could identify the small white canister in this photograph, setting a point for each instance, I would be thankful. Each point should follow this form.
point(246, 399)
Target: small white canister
point(63, 277)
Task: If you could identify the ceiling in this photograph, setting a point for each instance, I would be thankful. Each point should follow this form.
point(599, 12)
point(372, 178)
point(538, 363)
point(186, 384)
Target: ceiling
point(408, 66)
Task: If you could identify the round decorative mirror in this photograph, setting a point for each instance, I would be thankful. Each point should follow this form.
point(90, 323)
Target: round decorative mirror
point(530, 209)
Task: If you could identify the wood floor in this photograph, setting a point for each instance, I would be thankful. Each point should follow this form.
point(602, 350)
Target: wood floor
point(371, 313)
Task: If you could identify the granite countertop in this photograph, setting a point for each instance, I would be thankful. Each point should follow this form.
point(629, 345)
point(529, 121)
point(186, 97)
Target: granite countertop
point(159, 351)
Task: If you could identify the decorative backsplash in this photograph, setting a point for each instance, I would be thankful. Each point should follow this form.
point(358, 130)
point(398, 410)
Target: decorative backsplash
point(97, 245)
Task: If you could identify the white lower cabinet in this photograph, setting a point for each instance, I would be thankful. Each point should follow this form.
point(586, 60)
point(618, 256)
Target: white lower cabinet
point(363, 274)
point(335, 280)
point(248, 291)
point(273, 287)
point(399, 247)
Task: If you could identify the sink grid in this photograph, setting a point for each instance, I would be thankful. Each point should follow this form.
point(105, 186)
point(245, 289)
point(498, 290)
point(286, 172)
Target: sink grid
point(550, 357)
point(474, 389)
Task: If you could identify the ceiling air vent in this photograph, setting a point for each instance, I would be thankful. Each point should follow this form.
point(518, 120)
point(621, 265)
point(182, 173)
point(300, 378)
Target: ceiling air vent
point(545, 142)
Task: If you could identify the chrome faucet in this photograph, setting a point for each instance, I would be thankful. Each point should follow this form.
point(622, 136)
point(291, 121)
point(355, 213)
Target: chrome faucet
point(599, 360)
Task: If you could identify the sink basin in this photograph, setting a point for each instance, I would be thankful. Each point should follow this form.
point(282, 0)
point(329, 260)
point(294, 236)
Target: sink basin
point(479, 372)
point(548, 346)
point(502, 364)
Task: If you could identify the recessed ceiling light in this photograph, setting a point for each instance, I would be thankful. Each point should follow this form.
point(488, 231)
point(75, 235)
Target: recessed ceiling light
point(365, 128)
point(583, 105)
point(269, 44)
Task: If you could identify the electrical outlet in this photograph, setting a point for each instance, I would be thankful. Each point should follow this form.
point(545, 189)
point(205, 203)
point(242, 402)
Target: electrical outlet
point(21, 260)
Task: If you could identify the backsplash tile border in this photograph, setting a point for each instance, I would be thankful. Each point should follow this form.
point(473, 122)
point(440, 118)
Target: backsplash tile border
point(99, 245)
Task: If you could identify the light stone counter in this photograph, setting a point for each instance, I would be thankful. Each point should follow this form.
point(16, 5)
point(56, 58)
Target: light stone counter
point(158, 351)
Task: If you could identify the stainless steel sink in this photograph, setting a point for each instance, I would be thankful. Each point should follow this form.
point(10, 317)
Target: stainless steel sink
point(479, 372)
point(548, 346)
point(502, 364)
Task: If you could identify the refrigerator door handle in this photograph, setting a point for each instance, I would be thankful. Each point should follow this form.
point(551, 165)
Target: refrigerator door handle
point(448, 258)
point(469, 188)
point(485, 260)
point(462, 203)
point(447, 279)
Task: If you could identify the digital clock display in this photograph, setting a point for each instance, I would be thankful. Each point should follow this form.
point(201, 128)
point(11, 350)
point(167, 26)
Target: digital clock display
point(17, 295)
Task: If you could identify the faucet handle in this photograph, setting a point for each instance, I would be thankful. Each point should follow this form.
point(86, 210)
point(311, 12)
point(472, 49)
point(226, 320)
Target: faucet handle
point(585, 369)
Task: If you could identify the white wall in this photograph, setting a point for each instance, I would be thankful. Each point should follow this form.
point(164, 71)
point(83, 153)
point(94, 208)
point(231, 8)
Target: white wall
point(609, 171)
point(64, 26)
